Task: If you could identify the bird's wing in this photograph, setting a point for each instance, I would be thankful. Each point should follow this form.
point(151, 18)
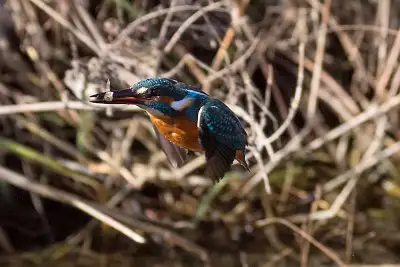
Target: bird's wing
point(219, 135)
point(176, 155)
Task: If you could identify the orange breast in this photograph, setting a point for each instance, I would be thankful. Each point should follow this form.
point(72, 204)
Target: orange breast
point(179, 130)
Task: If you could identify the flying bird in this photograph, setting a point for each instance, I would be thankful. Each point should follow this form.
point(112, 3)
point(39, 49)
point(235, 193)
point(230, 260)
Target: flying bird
point(186, 119)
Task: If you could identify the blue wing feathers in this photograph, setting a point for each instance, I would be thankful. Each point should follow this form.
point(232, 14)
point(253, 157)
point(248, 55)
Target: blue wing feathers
point(221, 135)
point(224, 125)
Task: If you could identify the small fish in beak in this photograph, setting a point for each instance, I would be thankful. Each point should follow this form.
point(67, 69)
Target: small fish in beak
point(125, 96)
point(104, 97)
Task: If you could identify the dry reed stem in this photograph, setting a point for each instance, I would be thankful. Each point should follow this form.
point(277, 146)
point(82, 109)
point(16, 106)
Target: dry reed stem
point(328, 252)
point(351, 176)
point(178, 34)
point(131, 27)
point(58, 105)
point(294, 145)
point(66, 198)
point(349, 102)
point(79, 35)
point(237, 11)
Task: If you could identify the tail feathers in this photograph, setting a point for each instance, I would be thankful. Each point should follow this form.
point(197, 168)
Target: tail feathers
point(219, 162)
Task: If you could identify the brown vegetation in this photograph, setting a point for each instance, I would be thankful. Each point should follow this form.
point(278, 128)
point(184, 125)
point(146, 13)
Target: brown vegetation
point(316, 84)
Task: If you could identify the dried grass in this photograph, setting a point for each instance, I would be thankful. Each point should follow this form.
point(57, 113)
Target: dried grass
point(316, 85)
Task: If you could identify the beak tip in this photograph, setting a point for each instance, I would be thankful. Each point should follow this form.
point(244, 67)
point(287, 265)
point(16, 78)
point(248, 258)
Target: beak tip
point(97, 98)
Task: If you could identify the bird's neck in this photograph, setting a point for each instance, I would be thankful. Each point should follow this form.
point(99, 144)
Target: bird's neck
point(188, 106)
point(196, 103)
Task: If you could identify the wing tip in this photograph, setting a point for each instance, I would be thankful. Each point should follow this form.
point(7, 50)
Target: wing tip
point(219, 163)
point(176, 155)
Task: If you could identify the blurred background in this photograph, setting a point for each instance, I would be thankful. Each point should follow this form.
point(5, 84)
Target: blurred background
point(315, 83)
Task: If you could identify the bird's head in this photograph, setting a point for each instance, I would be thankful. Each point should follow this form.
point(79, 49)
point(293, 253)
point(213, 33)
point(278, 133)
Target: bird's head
point(140, 93)
point(157, 95)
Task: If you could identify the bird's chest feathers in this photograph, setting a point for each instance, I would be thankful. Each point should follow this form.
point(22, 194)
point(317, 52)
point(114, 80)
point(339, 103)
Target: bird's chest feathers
point(179, 130)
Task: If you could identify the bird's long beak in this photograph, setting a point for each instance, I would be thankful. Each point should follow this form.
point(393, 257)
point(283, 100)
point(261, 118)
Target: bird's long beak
point(125, 96)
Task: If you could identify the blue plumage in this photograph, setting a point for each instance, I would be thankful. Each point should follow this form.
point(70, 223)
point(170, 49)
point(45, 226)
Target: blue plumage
point(223, 124)
point(219, 131)
point(164, 83)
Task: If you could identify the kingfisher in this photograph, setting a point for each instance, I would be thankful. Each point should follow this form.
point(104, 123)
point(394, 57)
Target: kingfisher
point(185, 118)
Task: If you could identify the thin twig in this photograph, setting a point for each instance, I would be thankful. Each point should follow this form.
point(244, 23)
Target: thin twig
point(371, 113)
point(129, 29)
point(66, 198)
point(353, 175)
point(238, 9)
point(59, 105)
point(391, 63)
point(90, 25)
point(320, 51)
point(177, 35)
point(296, 100)
point(294, 144)
point(232, 67)
point(52, 13)
point(328, 252)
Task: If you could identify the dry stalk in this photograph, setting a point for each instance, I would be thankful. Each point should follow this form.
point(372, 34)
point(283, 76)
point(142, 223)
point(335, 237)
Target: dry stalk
point(66, 198)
